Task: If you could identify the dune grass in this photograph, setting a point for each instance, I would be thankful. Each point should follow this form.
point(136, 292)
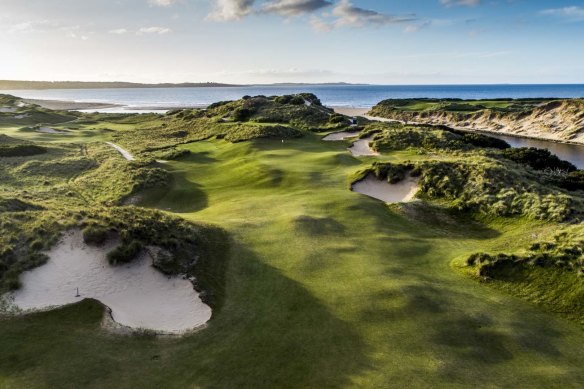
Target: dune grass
point(324, 287)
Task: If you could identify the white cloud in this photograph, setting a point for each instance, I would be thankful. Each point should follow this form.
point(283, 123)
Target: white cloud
point(455, 3)
point(294, 7)
point(163, 3)
point(572, 13)
point(119, 31)
point(153, 30)
point(227, 10)
point(345, 14)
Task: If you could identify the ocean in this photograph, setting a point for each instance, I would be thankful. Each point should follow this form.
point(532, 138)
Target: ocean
point(358, 96)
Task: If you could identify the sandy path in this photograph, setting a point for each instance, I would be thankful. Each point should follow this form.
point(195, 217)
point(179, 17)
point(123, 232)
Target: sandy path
point(403, 191)
point(126, 154)
point(138, 295)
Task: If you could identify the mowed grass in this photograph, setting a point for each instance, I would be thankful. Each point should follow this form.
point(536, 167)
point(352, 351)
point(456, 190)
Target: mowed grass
point(325, 288)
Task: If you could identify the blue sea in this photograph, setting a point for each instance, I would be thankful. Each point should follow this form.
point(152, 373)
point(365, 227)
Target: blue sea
point(358, 96)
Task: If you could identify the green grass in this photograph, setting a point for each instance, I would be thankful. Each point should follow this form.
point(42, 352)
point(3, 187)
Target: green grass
point(323, 288)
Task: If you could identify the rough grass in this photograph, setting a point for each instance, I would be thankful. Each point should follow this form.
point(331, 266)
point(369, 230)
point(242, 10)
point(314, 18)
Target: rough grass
point(323, 288)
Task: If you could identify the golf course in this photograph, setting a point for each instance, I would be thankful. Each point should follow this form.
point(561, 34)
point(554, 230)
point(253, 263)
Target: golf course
point(475, 278)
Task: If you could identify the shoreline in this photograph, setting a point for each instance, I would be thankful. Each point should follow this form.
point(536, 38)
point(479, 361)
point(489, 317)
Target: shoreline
point(69, 105)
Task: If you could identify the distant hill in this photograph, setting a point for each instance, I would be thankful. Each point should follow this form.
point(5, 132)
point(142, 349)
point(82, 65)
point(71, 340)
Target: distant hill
point(13, 85)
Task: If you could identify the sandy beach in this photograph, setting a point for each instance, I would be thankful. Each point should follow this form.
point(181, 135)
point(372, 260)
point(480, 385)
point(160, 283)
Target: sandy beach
point(69, 105)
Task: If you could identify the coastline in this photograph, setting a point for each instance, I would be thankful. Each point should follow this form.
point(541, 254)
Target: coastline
point(69, 105)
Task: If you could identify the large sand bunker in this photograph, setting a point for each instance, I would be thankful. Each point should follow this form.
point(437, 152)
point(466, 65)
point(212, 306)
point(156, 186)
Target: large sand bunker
point(138, 295)
point(361, 148)
point(403, 191)
point(342, 135)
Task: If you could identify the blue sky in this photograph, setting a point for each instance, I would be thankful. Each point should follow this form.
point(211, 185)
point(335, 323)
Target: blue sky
point(247, 41)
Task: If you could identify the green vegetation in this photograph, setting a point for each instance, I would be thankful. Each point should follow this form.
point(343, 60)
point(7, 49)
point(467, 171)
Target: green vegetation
point(320, 287)
point(456, 105)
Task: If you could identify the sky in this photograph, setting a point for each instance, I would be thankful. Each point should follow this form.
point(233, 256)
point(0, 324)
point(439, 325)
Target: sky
point(271, 41)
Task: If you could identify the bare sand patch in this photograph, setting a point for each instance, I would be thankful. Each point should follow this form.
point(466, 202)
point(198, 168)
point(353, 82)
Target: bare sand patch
point(49, 130)
point(126, 154)
point(138, 295)
point(351, 111)
point(8, 109)
point(361, 148)
point(341, 135)
point(371, 186)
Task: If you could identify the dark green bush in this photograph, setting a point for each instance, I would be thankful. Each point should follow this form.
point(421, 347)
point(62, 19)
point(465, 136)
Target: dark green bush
point(538, 159)
point(94, 235)
point(21, 150)
point(124, 253)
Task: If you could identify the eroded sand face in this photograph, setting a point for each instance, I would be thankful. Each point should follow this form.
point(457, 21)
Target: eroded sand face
point(361, 148)
point(342, 135)
point(403, 191)
point(138, 295)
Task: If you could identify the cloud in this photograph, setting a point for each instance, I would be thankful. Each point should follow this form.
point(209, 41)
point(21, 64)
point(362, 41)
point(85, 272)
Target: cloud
point(163, 3)
point(345, 14)
point(118, 31)
point(294, 7)
point(573, 13)
point(153, 30)
point(227, 10)
point(456, 3)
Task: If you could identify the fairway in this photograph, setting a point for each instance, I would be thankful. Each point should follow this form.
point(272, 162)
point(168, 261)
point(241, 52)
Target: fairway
point(325, 288)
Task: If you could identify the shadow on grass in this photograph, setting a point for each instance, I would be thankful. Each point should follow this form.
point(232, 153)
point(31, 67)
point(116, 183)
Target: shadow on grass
point(183, 196)
point(271, 332)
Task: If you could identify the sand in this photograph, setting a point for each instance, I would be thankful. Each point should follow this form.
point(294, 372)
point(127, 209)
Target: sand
point(361, 148)
point(342, 135)
point(403, 191)
point(351, 111)
point(126, 154)
point(68, 105)
point(138, 295)
point(8, 109)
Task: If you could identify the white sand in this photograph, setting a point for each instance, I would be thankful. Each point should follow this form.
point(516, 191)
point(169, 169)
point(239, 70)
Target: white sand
point(403, 191)
point(126, 154)
point(351, 111)
point(21, 116)
point(7, 109)
point(342, 135)
point(138, 295)
point(361, 148)
point(49, 130)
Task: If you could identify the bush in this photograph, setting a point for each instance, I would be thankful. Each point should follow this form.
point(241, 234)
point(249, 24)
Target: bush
point(242, 114)
point(21, 150)
point(124, 253)
point(94, 235)
point(538, 159)
point(480, 140)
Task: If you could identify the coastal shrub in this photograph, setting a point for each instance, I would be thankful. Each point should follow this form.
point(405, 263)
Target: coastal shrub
point(124, 253)
point(242, 114)
point(538, 159)
point(297, 100)
point(484, 141)
point(21, 150)
point(94, 235)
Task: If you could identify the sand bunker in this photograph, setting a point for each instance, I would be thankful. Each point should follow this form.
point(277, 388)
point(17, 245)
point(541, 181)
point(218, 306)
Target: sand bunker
point(8, 109)
point(49, 130)
point(403, 191)
point(342, 135)
point(138, 295)
point(361, 148)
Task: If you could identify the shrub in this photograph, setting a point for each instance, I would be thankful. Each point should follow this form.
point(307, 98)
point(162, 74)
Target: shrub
point(94, 235)
point(242, 114)
point(124, 253)
point(21, 150)
point(538, 159)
